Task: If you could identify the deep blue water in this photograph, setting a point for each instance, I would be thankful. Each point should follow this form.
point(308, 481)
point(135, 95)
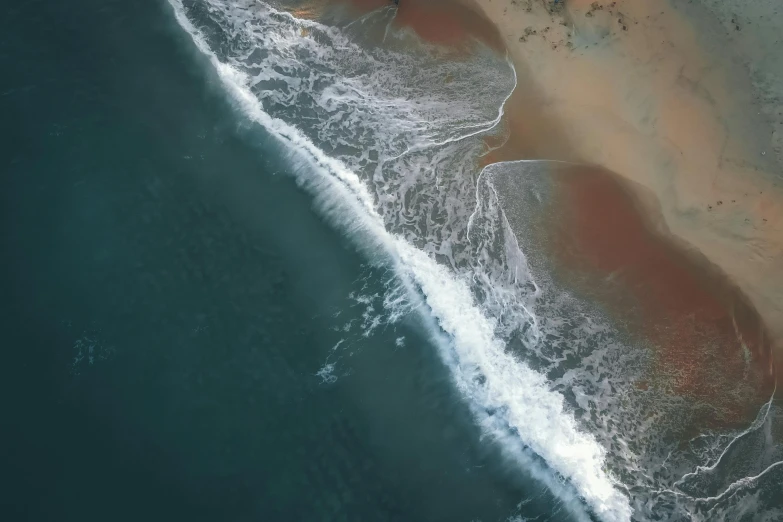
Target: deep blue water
point(169, 296)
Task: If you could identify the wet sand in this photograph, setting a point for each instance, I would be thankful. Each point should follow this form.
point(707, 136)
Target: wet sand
point(674, 214)
point(644, 95)
point(707, 339)
point(679, 278)
point(442, 22)
point(652, 94)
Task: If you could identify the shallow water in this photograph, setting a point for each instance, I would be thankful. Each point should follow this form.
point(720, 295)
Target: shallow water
point(253, 279)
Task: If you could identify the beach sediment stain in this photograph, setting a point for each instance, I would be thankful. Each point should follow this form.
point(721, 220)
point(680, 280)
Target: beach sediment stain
point(655, 94)
point(447, 23)
point(709, 340)
point(444, 22)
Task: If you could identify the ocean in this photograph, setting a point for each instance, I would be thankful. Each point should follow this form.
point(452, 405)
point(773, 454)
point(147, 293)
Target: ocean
point(253, 270)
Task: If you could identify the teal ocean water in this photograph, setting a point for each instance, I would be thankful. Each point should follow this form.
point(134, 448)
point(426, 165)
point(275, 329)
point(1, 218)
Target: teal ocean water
point(171, 295)
point(251, 272)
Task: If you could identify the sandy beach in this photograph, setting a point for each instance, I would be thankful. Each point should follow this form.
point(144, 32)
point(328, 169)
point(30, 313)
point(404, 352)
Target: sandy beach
point(590, 235)
point(671, 109)
point(669, 215)
point(659, 96)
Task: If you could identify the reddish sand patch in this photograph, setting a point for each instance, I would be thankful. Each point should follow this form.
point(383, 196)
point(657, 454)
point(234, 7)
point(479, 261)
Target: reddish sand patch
point(711, 343)
point(446, 22)
point(365, 6)
point(600, 245)
point(443, 22)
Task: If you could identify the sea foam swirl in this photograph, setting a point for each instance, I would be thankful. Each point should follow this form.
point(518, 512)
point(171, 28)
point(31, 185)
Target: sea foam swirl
point(372, 151)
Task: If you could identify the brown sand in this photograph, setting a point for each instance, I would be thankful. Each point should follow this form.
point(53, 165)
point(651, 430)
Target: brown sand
point(439, 21)
point(712, 345)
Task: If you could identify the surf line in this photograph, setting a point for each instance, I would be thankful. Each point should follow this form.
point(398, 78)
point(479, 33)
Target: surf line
point(512, 403)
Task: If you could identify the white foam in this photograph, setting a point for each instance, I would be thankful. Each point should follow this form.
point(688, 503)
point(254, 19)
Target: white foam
point(491, 379)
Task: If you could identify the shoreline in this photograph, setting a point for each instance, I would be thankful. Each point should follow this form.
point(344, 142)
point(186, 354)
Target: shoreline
point(682, 259)
point(683, 284)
